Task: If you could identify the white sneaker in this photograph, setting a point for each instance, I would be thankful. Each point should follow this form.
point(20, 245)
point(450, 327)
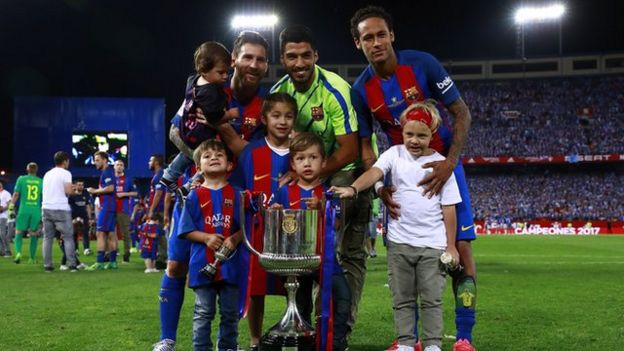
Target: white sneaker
point(81, 266)
point(433, 348)
point(164, 345)
point(87, 252)
point(63, 268)
point(147, 270)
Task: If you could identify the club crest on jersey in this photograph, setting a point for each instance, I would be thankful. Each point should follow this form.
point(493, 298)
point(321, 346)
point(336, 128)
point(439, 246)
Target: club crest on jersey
point(411, 94)
point(317, 112)
point(228, 203)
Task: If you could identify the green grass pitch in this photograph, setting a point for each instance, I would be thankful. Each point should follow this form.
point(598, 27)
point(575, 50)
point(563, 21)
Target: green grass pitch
point(535, 293)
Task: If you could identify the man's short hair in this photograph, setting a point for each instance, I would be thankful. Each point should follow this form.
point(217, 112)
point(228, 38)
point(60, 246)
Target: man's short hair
point(304, 141)
point(60, 157)
point(210, 144)
point(209, 54)
point(76, 181)
point(120, 160)
point(272, 99)
point(368, 12)
point(296, 34)
point(249, 37)
point(158, 158)
point(102, 155)
point(32, 168)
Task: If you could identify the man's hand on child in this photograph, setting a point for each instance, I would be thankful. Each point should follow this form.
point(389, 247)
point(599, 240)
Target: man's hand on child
point(214, 241)
point(434, 181)
point(288, 178)
point(342, 191)
point(385, 194)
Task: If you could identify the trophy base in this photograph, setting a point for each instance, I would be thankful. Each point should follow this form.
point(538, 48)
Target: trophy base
point(288, 343)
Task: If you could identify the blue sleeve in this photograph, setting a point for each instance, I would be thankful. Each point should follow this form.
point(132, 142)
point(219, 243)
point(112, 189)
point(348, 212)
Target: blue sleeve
point(364, 117)
point(237, 179)
point(191, 216)
point(282, 196)
point(439, 81)
point(108, 178)
point(157, 185)
point(236, 220)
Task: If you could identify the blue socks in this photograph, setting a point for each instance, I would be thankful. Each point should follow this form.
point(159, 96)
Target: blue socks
point(171, 298)
point(113, 256)
point(100, 257)
point(464, 321)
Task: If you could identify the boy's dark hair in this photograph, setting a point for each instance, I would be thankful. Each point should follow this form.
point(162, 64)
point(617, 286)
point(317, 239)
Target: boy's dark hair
point(102, 154)
point(209, 54)
point(296, 34)
point(210, 144)
point(249, 37)
point(274, 98)
point(304, 141)
point(368, 12)
point(32, 168)
point(159, 158)
point(157, 216)
point(60, 157)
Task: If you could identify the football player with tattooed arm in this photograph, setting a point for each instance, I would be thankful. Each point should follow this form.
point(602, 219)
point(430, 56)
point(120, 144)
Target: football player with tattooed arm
point(393, 81)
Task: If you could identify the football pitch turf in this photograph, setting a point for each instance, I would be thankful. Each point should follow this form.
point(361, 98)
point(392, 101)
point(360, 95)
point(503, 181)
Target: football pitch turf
point(534, 293)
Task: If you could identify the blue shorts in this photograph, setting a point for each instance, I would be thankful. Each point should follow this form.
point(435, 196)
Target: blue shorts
point(465, 220)
point(106, 221)
point(178, 249)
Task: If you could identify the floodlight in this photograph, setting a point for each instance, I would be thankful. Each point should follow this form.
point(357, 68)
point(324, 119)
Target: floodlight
point(254, 21)
point(539, 14)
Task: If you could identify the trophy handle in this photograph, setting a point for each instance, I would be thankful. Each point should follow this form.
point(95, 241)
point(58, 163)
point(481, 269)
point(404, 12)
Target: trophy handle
point(243, 195)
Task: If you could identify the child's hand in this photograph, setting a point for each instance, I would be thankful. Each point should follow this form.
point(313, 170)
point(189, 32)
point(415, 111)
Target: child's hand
point(342, 191)
point(452, 250)
point(214, 241)
point(312, 203)
point(231, 243)
point(276, 206)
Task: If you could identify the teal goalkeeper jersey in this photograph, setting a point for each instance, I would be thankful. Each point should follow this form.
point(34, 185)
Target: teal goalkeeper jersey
point(325, 109)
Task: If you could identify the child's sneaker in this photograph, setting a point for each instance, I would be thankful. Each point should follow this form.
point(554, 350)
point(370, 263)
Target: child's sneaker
point(171, 186)
point(18, 258)
point(396, 347)
point(463, 345)
point(63, 268)
point(165, 344)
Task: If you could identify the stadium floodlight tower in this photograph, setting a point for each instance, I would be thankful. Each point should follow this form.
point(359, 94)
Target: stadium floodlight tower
point(528, 15)
point(259, 22)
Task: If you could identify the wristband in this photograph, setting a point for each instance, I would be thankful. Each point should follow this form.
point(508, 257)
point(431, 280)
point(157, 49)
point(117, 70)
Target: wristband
point(355, 191)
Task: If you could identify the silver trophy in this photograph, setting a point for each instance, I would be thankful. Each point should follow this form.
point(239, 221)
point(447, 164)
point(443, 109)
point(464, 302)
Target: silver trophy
point(221, 255)
point(290, 249)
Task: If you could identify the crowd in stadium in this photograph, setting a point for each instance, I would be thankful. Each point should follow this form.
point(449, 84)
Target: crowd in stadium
point(548, 195)
point(546, 116)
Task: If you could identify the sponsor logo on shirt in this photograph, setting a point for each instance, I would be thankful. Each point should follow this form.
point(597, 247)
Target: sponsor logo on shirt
point(445, 85)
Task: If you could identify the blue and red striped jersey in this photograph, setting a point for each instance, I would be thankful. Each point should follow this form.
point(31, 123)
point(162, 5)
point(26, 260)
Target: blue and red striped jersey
point(211, 211)
point(418, 76)
point(107, 201)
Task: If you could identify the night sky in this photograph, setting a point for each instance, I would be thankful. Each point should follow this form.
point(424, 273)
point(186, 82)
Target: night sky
point(130, 48)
